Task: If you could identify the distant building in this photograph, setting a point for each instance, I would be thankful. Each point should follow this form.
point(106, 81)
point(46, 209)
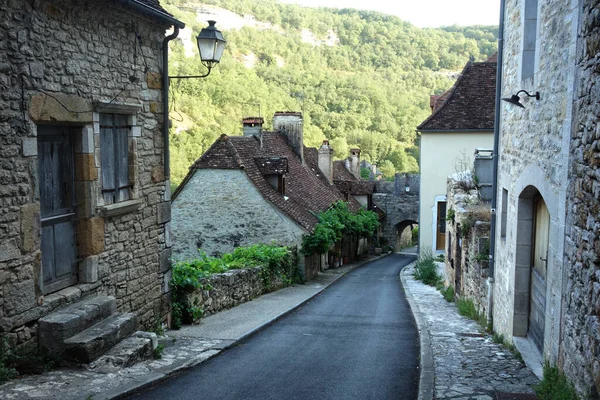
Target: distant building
point(258, 188)
point(462, 120)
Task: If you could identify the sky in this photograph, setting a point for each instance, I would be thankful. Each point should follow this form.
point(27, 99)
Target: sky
point(422, 13)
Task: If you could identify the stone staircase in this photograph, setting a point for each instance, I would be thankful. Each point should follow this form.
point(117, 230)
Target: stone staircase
point(84, 331)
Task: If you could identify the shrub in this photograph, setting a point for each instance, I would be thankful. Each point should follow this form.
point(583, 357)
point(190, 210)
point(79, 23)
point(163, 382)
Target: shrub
point(192, 274)
point(426, 269)
point(6, 371)
point(555, 386)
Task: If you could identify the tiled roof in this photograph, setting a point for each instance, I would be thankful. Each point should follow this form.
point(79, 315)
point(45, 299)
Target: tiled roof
point(470, 103)
point(305, 192)
point(356, 187)
point(341, 173)
point(272, 165)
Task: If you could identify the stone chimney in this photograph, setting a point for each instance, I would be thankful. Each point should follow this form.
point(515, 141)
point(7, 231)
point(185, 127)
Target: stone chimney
point(252, 126)
point(326, 160)
point(355, 162)
point(290, 124)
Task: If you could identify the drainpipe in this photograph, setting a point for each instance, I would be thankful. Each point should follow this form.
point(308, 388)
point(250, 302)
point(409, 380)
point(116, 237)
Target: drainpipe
point(165, 85)
point(495, 163)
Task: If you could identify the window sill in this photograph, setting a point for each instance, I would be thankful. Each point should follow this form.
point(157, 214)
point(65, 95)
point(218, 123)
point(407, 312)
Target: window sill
point(122, 207)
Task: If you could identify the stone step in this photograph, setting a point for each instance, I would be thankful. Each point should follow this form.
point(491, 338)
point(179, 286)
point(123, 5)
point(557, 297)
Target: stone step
point(128, 352)
point(88, 345)
point(55, 328)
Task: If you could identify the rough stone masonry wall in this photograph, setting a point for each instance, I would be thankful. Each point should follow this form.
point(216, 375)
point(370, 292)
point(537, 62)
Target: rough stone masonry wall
point(399, 205)
point(581, 313)
point(470, 224)
point(79, 52)
point(219, 210)
point(534, 153)
point(232, 288)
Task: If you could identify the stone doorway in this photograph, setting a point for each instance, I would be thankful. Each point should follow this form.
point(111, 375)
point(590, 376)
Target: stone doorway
point(533, 227)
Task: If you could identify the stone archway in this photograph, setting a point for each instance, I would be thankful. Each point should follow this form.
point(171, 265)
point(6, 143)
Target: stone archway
point(533, 225)
point(404, 234)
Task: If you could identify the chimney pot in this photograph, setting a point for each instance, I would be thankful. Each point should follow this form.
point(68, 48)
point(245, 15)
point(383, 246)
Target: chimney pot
point(252, 126)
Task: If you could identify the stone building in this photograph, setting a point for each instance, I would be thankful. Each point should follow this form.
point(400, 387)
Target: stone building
point(462, 120)
point(84, 200)
point(262, 187)
point(546, 273)
point(580, 352)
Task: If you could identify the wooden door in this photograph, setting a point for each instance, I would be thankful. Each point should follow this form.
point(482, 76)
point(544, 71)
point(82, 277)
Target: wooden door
point(440, 240)
point(55, 156)
point(539, 263)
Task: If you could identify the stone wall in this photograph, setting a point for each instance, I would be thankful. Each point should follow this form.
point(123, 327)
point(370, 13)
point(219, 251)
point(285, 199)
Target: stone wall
point(467, 243)
point(580, 353)
point(61, 63)
point(401, 207)
point(232, 288)
point(533, 161)
point(220, 210)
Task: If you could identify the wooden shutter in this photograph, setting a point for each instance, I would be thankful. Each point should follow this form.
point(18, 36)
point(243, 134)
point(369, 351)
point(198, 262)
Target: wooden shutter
point(114, 150)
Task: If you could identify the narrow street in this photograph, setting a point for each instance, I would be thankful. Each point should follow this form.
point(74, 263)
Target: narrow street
point(357, 340)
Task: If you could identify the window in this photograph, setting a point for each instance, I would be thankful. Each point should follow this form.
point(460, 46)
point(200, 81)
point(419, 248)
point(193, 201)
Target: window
point(114, 151)
point(504, 214)
point(529, 38)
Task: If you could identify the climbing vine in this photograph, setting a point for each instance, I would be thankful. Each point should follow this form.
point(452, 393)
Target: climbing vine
point(336, 222)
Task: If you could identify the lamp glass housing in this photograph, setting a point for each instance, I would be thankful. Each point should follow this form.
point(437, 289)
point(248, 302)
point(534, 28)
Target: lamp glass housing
point(210, 45)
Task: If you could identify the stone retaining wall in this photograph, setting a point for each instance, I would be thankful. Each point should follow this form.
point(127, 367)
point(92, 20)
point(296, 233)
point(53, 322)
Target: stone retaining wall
point(232, 288)
point(466, 232)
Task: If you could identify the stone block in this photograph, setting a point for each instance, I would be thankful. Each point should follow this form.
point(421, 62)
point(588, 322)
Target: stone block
point(168, 235)
point(154, 80)
point(29, 147)
point(165, 260)
point(87, 140)
point(85, 193)
point(30, 227)
point(88, 270)
point(166, 281)
point(155, 107)
point(164, 213)
point(9, 250)
point(136, 131)
point(60, 107)
point(85, 167)
point(19, 297)
point(158, 173)
point(91, 236)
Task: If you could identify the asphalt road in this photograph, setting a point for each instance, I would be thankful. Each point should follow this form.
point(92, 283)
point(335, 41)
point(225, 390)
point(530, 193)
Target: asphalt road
point(356, 340)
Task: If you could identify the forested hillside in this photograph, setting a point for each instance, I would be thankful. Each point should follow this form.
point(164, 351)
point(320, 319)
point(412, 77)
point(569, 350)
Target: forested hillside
point(360, 78)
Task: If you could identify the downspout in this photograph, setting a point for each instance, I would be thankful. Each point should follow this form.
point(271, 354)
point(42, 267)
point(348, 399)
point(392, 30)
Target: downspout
point(165, 85)
point(495, 164)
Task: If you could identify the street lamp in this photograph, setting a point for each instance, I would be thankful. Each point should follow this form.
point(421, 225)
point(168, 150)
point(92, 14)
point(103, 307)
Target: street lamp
point(210, 45)
point(516, 100)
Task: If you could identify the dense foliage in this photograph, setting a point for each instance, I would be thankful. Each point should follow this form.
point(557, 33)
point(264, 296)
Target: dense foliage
point(336, 222)
point(192, 274)
point(369, 88)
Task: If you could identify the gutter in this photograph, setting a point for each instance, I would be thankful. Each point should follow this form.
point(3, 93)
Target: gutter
point(165, 85)
point(495, 156)
point(455, 130)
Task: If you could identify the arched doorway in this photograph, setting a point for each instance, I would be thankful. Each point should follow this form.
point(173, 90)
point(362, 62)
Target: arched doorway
point(533, 231)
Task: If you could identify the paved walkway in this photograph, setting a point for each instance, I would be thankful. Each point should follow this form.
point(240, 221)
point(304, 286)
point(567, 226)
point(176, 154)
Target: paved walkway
point(458, 360)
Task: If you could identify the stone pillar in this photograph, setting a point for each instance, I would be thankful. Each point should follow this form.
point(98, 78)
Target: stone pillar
point(355, 162)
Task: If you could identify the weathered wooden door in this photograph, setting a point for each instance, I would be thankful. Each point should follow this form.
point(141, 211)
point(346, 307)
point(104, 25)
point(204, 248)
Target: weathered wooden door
point(55, 156)
point(537, 304)
point(440, 241)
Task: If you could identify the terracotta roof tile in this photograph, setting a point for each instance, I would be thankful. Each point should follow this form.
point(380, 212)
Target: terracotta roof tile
point(341, 173)
point(272, 165)
point(305, 191)
point(470, 103)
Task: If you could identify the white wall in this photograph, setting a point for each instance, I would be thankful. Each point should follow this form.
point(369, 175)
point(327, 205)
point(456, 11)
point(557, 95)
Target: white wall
point(443, 154)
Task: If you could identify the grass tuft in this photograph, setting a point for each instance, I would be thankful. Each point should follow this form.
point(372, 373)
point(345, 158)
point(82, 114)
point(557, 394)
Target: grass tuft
point(555, 385)
point(426, 270)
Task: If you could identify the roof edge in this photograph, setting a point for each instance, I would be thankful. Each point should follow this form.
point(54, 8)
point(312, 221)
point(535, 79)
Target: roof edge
point(144, 8)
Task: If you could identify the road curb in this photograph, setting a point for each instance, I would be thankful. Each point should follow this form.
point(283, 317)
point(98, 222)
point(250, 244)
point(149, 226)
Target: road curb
point(426, 379)
point(133, 387)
